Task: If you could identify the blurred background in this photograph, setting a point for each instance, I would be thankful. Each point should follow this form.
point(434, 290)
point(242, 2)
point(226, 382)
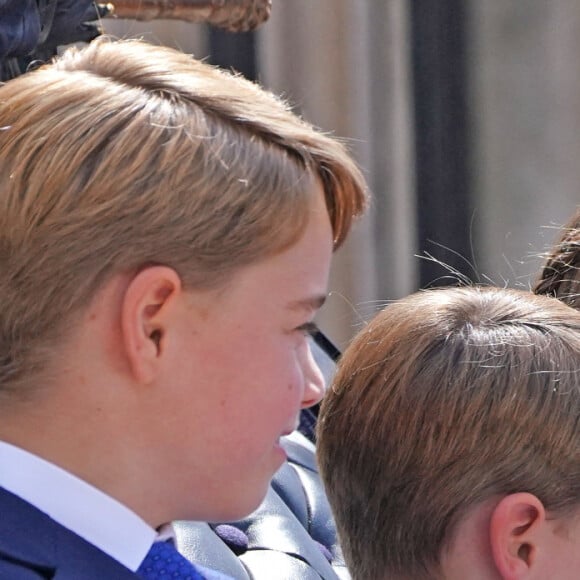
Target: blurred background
point(463, 114)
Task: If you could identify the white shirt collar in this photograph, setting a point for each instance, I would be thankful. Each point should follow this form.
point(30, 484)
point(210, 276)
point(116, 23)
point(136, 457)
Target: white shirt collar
point(77, 505)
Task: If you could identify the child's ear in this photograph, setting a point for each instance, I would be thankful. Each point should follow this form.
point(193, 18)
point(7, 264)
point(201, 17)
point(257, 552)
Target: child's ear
point(146, 316)
point(517, 527)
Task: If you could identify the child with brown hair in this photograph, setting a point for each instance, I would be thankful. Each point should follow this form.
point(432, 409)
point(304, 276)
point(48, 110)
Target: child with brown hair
point(449, 443)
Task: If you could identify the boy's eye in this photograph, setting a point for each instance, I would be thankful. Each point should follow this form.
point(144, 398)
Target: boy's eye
point(308, 328)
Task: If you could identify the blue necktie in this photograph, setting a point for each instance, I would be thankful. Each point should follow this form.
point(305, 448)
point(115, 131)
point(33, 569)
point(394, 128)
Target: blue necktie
point(164, 562)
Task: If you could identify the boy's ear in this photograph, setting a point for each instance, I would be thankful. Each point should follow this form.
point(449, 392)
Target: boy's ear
point(517, 526)
point(146, 310)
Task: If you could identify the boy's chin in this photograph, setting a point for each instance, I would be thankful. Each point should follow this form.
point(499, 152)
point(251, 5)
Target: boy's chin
point(241, 508)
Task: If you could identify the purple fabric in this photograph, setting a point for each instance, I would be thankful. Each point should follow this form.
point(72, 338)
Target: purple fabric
point(233, 537)
point(19, 27)
point(68, 17)
point(21, 24)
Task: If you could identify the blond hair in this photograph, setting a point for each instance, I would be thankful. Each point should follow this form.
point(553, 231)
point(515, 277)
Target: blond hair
point(448, 398)
point(124, 154)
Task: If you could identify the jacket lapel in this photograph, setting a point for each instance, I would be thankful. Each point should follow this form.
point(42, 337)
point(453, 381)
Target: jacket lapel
point(31, 539)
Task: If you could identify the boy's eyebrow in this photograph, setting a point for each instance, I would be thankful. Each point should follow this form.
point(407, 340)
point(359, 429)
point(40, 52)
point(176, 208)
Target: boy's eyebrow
point(310, 303)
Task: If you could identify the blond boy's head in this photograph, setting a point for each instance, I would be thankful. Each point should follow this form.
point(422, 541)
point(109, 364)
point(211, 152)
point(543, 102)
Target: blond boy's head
point(123, 155)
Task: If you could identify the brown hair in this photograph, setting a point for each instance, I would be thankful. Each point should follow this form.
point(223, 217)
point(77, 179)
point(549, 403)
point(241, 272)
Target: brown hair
point(124, 154)
point(447, 398)
point(560, 276)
